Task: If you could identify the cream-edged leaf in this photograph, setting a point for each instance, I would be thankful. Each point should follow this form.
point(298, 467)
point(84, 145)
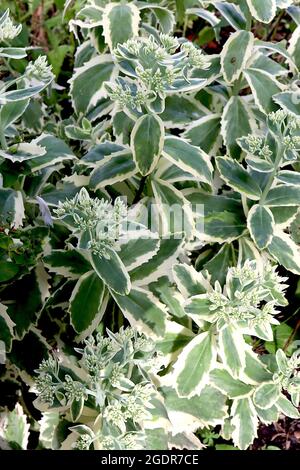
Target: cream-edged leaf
point(143, 311)
point(266, 395)
point(189, 158)
point(285, 251)
point(261, 225)
point(138, 247)
point(232, 350)
point(289, 101)
point(294, 47)
point(235, 55)
point(147, 141)
point(205, 133)
point(283, 196)
point(85, 301)
point(6, 331)
point(189, 281)
point(161, 263)
point(120, 23)
point(238, 178)
point(237, 121)
point(189, 414)
point(14, 427)
point(176, 337)
point(264, 86)
point(113, 169)
point(233, 388)
point(287, 408)
point(232, 14)
point(87, 83)
point(191, 370)
point(112, 271)
point(263, 11)
point(245, 423)
point(175, 211)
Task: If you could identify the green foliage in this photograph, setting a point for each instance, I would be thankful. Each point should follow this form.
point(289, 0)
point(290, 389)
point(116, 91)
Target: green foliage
point(151, 187)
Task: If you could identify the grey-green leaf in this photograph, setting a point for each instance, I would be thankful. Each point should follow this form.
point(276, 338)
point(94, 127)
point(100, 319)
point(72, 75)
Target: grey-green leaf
point(261, 225)
point(85, 302)
point(266, 395)
point(143, 311)
point(194, 364)
point(264, 86)
point(283, 195)
point(235, 54)
point(262, 10)
point(188, 158)
point(237, 177)
point(112, 271)
point(147, 140)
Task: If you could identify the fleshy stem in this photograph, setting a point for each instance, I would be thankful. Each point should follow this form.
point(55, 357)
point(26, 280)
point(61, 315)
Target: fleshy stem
point(140, 190)
point(3, 139)
point(272, 175)
point(237, 86)
point(248, 16)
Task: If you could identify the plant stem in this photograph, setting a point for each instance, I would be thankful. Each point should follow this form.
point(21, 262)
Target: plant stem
point(185, 25)
point(180, 11)
point(140, 190)
point(292, 336)
point(3, 139)
point(245, 207)
point(271, 35)
point(272, 176)
point(248, 18)
point(237, 86)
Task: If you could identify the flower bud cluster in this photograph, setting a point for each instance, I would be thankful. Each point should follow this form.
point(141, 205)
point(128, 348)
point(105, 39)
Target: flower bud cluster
point(8, 30)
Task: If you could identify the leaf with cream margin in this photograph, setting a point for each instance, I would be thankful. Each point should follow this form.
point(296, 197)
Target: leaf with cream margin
point(161, 263)
point(189, 281)
point(264, 86)
point(23, 152)
point(235, 175)
point(112, 271)
point(189, 158)
point(235, 54)
point(287, 408)
point(113, 169)
point(6, 332)
point(87, 83)
point(261, 225)
point(191, 370)
point(176, 337)
point(233, 388)
point(237, 121)
point(289, 101)
point(245, 423)
point(175, 211)
point(143, 311)
point(232, 14)
point(266, 395)
point(14, 427)
point(48, 424)
point(205, 133)
point(285, 251)
point(263, 11)
point(12, 207)
point(120, 23)
point(147, 142)
point(138, 247)
point(232, 350)
point(189, 414)
point(85, 301)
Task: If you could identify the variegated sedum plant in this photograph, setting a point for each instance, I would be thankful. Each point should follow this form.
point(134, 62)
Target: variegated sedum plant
point(149, 224)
